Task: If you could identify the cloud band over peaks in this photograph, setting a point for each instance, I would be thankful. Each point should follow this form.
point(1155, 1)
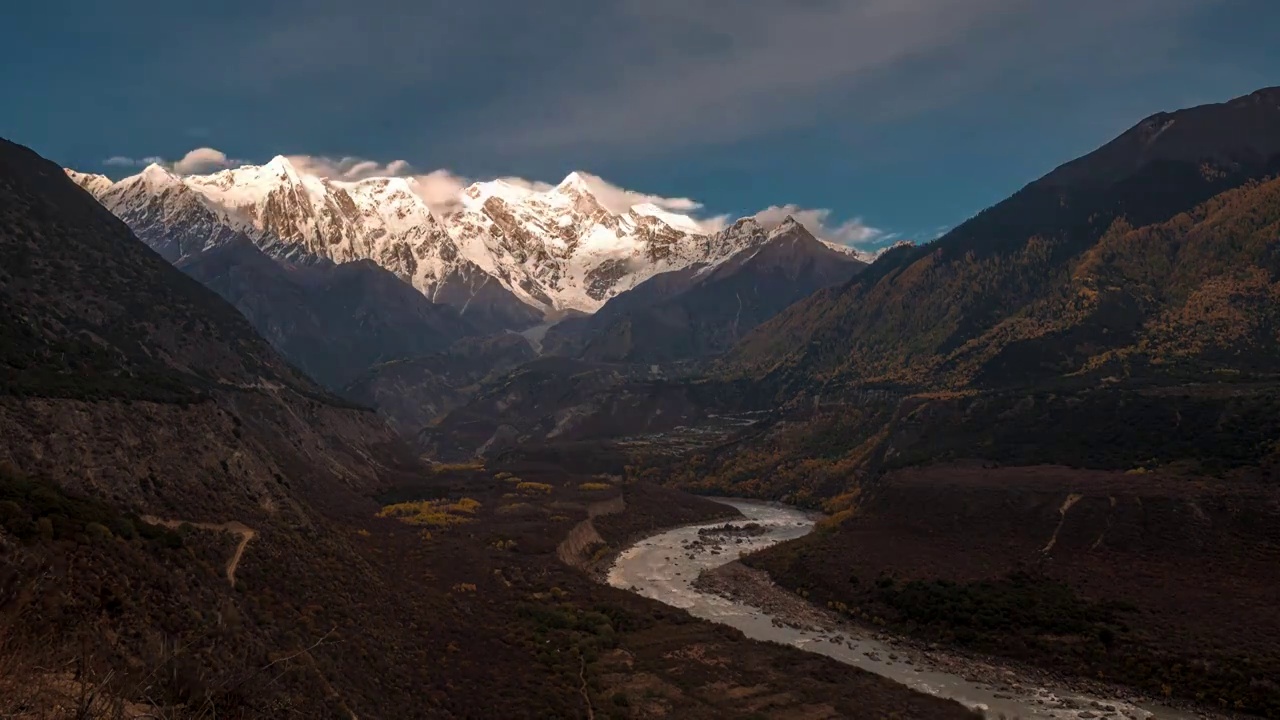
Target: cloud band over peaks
point(442, 191)
point(199, 160)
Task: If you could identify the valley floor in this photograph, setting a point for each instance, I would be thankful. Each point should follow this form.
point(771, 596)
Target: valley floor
point(627, 656)
point(1004, 679)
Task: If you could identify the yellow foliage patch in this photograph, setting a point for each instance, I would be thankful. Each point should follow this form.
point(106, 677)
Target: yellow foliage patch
point(432, 513)
point(534, 487)
point(457, 467)
point(594, 486)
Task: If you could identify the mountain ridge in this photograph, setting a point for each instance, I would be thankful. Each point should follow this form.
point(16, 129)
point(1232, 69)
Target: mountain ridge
point(1004, 268)
point(707, 311)
point(524, 251)
point(333, 321)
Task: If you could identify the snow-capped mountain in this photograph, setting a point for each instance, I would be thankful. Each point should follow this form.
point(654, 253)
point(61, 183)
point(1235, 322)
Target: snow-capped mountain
point(162, 211)
point(517, 252)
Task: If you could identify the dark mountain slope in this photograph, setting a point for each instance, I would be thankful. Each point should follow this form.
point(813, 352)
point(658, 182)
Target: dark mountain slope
point(700, 312)
point(1235, 135)
point(569, 337)
point(132, 390)
point(91, 312)
point(333, 321)
point(413, 391)
point(1192, 298)
point(920, 318)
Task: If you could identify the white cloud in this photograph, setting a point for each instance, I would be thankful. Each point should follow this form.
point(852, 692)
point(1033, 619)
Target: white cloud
point(122, 161)
point(199, 160)
point(529, 185)
point(442, 189)
point(716, 223)
point(851, 233)
point(203, 160)
point(619, 200)
point(349, 168)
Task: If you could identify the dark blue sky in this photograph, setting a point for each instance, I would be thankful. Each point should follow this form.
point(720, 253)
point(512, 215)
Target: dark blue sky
point(908, 114)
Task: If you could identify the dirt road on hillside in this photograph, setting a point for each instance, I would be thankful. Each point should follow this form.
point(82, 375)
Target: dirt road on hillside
point(245, 532)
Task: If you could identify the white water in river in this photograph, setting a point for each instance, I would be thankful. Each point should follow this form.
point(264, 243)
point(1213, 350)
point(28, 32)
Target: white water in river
point(659, 567)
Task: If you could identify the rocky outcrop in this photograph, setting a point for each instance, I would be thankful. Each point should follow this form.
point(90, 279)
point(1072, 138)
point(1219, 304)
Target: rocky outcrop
point(577, 547)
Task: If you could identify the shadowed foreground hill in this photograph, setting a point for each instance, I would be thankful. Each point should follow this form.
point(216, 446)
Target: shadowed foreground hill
point(130, 389)
point(101, 333)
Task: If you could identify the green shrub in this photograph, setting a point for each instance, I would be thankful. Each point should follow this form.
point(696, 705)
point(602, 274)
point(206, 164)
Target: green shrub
point(98, 533)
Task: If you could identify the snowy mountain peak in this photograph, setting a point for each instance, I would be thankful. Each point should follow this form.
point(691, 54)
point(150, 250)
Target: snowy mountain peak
point(788, 225)
point(97, 185)
point(156, 176)
point(478, 193)
point(746, 225)
point(394, 185)
point(280, 167)
point(513, 243)
point(576, 181)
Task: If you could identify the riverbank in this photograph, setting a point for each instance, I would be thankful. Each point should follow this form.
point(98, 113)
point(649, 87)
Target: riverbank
point(661, 567)
point(693, 568)
point(649, 509)
point(1159, 584)
point(754, 587)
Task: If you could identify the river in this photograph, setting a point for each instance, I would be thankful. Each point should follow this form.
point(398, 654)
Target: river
point(663, 568)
